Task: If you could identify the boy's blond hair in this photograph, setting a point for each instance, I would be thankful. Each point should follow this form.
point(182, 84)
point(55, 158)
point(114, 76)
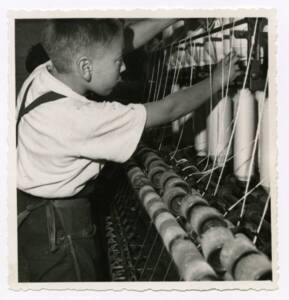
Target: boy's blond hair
point(63, 39)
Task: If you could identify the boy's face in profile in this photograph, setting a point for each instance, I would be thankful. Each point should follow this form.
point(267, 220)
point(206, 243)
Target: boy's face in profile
point(106, 66)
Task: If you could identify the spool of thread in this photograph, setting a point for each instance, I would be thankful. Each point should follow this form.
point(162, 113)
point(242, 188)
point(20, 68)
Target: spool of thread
point(240, 45)
point(227, 37)
point(190, 263)
point(193, 55)
point(219, 129)
point(181, 61)
point(148, 197)
point(209, 52)
point(144, 190)
point(168, 32)
point(200, 140)
point(173, 198)
point(255, 266)
point(188, 116)
point(173, 60)
point(189, 202)
point(178, 24)
point(168, 228)
point(199, 50)
point(200, 215)
point(212, 242)
point(244, 134)
point(265, 153)
point(234, 249)
point(158, 163)
point(139, 180)
point(155, 207)
point(176, 123)
point(133, 170)
point(177, 182)
point(149, 158)
point(154, 175)
point(166, 176)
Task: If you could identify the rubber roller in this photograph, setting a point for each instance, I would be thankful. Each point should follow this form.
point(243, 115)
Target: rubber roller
point(212, 242)
point(155, 207)
point(154, 175)
point(159, 163)
point(168, 228)
point(133, 170)
point(189, 201)
point(144, 190)
point(234, 250)
point(203, 217)
point(131, 164)
point(176, 182)
point(148, 197)
point(139, 180)
point(143, 150)
point(254, 266)
point(173, 198)
point(166, 176)
point(149, 159)
point(190, 263)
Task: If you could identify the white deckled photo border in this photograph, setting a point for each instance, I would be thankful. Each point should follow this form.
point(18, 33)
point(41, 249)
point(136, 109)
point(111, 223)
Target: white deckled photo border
point(12, 173)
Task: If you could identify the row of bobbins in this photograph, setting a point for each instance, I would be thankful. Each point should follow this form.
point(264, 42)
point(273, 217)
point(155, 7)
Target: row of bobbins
point(190, 263)
point(230, 255)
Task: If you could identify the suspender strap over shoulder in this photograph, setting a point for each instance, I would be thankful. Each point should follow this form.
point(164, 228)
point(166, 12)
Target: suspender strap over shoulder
point(47, 97)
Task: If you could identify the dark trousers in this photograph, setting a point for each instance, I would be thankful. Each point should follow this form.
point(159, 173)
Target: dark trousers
point(56, 241)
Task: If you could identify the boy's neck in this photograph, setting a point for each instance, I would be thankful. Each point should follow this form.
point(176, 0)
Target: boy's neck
point(69, 80)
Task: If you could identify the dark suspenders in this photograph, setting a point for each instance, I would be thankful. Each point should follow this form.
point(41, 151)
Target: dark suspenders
point(48, 97)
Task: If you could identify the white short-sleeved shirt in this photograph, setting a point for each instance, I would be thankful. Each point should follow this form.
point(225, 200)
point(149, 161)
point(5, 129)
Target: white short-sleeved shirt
point(62, 144)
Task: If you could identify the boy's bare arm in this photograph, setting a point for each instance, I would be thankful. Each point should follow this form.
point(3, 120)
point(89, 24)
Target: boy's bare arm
point(180, 103)
point(138, 34)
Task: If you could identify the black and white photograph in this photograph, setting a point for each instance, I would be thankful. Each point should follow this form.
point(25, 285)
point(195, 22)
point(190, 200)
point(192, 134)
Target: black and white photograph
point(145, 149)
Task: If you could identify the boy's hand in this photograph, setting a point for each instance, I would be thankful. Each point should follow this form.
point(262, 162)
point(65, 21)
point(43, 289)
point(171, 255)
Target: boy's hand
point(228, 67)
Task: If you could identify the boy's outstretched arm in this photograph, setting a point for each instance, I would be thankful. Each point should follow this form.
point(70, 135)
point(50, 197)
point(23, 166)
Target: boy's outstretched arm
point(184, 101)
point(138, 34)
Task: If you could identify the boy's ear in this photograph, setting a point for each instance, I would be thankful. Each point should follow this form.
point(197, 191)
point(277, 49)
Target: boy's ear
point(84, 67)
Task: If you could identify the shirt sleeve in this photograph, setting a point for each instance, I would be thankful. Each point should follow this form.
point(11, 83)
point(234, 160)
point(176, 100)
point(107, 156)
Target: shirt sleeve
point(115, 132)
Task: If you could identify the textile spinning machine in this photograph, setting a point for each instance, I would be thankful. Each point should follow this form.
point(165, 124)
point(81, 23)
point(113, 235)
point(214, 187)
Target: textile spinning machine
point(193, 203)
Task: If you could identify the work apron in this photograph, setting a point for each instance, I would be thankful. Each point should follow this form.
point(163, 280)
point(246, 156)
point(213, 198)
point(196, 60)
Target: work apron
point(55, 236)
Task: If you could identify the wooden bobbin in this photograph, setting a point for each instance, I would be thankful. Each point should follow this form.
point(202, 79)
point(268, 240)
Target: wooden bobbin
point(189, 201)
point(170, 230)
point(190, 263)
point(235, 249)
point(176, 182)
point(173, 198)
point(203, 217)
point(154, 175)
point(212, 242)
point(254, 266)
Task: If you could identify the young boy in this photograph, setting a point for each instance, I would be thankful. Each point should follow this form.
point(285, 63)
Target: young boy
point(63, 140)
